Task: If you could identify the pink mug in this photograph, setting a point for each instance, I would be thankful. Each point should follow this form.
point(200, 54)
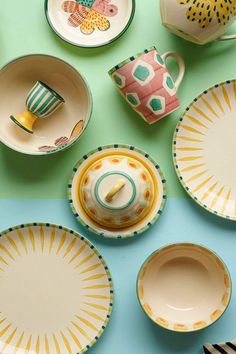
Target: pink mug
point(146, 84)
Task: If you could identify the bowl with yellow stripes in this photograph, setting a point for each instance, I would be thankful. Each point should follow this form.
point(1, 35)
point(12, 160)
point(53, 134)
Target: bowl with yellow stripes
point(56, 290)
point(65, 126)
point(184, 287)
point(204, 149)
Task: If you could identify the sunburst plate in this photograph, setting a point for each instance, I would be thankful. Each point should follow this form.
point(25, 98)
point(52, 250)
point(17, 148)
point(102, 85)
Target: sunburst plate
point(56, 291)
point(204, 148)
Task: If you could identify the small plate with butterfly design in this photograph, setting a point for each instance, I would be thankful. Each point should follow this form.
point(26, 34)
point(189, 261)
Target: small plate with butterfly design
point(89, 23)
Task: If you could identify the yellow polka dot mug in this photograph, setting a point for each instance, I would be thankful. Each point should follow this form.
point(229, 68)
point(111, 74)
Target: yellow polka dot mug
point(199, 21)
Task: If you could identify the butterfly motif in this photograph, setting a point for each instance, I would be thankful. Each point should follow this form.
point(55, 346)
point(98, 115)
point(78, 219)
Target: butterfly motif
point(62, 141)
point(89, 14)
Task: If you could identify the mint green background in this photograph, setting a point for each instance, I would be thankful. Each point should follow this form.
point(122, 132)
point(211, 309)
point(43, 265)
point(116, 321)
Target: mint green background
point(24, 30)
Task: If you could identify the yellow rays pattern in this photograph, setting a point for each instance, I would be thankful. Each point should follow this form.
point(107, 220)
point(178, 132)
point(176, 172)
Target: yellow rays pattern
point(212, 107)
point(95, 297)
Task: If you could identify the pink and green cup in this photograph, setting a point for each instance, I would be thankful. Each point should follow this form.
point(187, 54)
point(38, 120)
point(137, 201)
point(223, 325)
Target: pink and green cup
point(146, 84)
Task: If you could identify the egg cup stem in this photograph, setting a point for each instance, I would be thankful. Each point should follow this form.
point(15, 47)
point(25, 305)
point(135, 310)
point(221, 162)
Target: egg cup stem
point(25, 120)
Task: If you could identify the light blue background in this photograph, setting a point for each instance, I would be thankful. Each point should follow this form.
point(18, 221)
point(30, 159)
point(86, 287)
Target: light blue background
point(130, 331)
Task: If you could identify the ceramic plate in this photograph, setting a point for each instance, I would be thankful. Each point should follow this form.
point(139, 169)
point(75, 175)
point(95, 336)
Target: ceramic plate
point(56, 291)
point(204, 149)
point(184, 287)
point(147, 221)
point(89, 23)
point(65, 126)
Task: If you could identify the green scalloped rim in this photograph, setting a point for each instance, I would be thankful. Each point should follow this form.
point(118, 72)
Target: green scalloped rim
point(227, 217)
point(103, 234)
point(84, 239)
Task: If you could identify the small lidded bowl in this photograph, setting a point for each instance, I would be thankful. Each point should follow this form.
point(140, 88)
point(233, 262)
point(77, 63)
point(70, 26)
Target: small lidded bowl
point(117, 191)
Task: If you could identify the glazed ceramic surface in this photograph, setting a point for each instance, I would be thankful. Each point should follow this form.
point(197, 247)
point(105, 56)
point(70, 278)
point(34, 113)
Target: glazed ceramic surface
point(56, 291)
point(204, 146)
point(89, 23)
point(41, 102)
point(146, 84)
point(65, 126)
point(199, 21)
point(134, 181)
point(184, 287)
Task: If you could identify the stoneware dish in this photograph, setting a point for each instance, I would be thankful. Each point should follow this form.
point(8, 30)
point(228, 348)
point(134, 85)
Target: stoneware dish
point(184, 287)
point(65, 126)
point(56, 290)
point(117, 191)
point(204, 146)
point(89, 23)
point(41, 102)
point(146, 84)
point(199, 21)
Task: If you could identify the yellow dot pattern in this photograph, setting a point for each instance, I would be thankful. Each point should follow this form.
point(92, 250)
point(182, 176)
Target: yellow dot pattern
point(205, 11)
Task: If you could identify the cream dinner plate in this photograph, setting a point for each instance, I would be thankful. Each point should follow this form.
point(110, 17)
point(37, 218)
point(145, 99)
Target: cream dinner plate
point(89, 23)
point(184, 287)
point(56, 291)
point(204, 149)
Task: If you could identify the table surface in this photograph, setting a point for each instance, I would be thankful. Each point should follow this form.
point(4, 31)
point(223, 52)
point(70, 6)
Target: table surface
point(34, 188)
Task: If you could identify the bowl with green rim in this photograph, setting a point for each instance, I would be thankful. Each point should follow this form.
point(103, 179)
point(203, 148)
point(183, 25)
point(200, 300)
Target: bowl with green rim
point(65, 126)
point(184, 287)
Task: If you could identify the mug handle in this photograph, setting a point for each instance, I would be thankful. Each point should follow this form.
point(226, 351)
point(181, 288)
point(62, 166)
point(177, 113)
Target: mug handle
point(181, 64)
point(226, 37)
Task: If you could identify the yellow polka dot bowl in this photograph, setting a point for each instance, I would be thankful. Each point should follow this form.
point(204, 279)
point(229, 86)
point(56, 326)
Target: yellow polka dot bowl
point(117, 191)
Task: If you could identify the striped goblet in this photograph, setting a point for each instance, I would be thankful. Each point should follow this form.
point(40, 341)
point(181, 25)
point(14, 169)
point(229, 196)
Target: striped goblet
point(41, 102)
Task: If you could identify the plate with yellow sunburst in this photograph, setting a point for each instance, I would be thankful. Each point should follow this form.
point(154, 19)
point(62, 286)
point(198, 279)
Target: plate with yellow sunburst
point(56, 291)
point(204, 149)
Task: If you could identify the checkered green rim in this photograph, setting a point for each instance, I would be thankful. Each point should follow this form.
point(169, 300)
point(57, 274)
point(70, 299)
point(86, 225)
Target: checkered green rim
point(127, 61)
point(104, 234)
point(174, 151)
point(89, 244)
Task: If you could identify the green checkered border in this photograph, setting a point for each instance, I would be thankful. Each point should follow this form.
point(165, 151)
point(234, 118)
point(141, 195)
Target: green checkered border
point(174, 152)
point(130, 59)
point(117, 146)
point(85, 240)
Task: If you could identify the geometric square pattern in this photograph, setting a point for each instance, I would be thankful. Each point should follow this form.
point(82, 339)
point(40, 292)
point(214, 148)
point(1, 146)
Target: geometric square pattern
point(143, 73)
point(157, 104)
point(133, 99)
point(168, 84)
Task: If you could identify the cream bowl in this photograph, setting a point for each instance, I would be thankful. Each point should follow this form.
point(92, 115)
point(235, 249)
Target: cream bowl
point(65, 126)
point(184, 287)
